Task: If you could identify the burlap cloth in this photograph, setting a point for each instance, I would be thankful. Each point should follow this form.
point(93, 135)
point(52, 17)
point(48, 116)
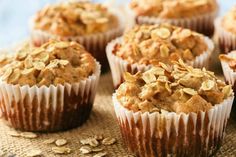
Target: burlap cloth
point(102, 121)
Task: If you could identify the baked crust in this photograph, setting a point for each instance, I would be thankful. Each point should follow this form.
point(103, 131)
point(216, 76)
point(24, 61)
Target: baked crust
point(173, 8)
point(177, 88)
point(231, 60)
point(229, 21)
point(149, 44)
point(74, 19)
point(5, 58)
point(51, 64)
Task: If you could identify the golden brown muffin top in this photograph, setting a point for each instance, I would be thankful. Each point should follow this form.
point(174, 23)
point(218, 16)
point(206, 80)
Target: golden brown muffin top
point(177, 88)
point(51, 64)
point(229, 21)
point(74, 19)
point(5, 58)
point(230, 59)
point(149, 44)
point(173, 8)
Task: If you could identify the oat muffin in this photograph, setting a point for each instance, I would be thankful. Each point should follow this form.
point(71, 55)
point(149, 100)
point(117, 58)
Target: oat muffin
point(228, 63)
point(194, 14)
point(75, 19)
point(147, 45)
point(90, 24)
point(169, 105)
point(52, 87)
point(53, 63)
point(226, 31)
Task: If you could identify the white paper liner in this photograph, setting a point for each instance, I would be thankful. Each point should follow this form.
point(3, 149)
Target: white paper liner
point(50, 108)
point(162, 134)
point(94, 43)
point(226, 39)
point(201, 23)
point(118, 66)
point(230, 75)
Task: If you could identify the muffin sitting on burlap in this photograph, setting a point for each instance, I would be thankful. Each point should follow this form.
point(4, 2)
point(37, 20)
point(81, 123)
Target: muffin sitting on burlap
point(197, 15)
point(144, 46)
point(91, 24)
point(52, 87)
point(178, 107)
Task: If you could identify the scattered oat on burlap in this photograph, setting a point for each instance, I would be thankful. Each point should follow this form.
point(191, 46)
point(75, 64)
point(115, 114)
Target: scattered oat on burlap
point(102, 121)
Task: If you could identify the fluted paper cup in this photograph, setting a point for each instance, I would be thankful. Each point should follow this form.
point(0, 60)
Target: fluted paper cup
point(202, 23)
point(226, 39)
point(170, 134)
point(48, 109)
point(118, 65)
point(94, 43)
point(229, 74)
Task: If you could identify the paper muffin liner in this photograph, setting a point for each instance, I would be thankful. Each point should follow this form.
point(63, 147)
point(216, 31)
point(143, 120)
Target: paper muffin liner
point(48, 109)
point(202, 23)
point(118, 65)
point(170, 134)
point(226, 39)
point(94, 43)
point(229, 74)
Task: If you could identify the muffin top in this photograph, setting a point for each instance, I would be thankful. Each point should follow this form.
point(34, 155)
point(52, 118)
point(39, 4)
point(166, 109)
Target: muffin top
point(229, 21)
point(74, 19)
point(177, 88)
point(173, 8)
point(51, 64)
point(5, 58)
point(149, 44)
point(230, 59)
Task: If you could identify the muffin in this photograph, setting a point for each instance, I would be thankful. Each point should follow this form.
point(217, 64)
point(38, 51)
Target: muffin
point(179, 111)
point(48, 88)
point(146, 45)
point(5, 59)
point(228, 63)
point(90, 24)
point(197, 15)
point(226, 31)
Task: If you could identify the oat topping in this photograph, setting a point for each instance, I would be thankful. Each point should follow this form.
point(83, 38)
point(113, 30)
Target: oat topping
point(85, 150)
point(93, 142)
point(97, 149)
point(61, 142)
point(14, 133)
point(52, 63)
point(34, 153)
point(29, 135)
point(149, 44)
point(61, 150)
point(108, 141)
point(96, 145)
point(5, 59)
point(229, 20)
point(183, 89)
point(173, 8)
point(84, 141)
point(230, 59)
point(75, 18)
point(98, 137)
point(49, 141)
